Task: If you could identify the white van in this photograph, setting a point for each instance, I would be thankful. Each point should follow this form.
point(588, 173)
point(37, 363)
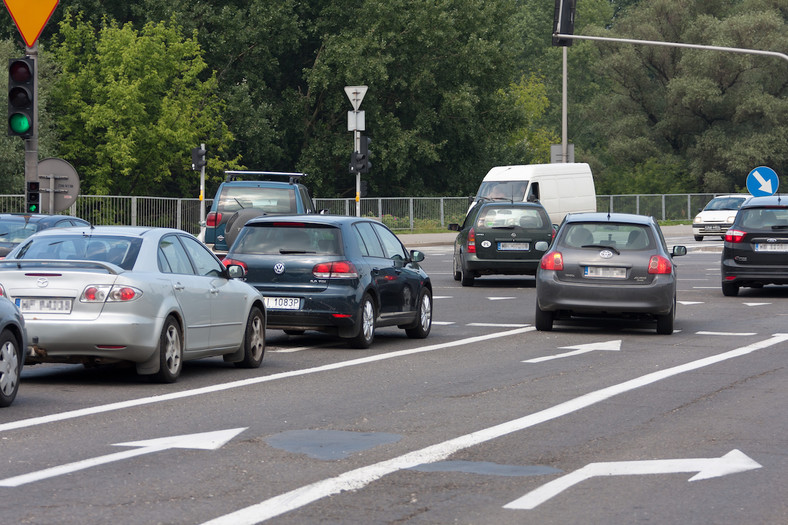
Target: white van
point(561, 188)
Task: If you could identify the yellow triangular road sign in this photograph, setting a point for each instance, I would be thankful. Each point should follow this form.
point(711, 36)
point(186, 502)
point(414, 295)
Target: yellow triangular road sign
point(30, 16)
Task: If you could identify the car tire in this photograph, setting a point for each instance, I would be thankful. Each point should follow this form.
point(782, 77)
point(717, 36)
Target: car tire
point(10, 367)
point(423, 324)
point(543, 320)
point(466, 277)
point(237, 221)
point(456, 273)
point(366, 324)
point(254, 340)
point(665, 322)
point(170, 352)
point(730, 289)
point(698, 237)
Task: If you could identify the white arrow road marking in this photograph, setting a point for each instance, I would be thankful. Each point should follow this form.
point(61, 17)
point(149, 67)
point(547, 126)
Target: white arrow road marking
point(756, 304)
point(361, 477)
point(687, 303)
point(500, 298)
point(202, 441)
point(498, 325)
point(725, 333)
point(731, 463)
point(766, 185)
point(614, 346)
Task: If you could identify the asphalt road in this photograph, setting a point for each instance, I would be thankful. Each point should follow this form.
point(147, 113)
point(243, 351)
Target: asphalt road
point(486, 421)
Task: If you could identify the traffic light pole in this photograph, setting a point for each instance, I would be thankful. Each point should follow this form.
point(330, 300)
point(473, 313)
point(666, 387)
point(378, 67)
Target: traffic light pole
point(31, 144)
point(357, 147)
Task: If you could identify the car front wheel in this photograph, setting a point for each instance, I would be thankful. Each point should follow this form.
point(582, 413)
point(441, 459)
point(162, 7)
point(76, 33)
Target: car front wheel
point(170, 352)
point(730, 289)
point(10, 368)
point(665, 322)
point(254, 340)
point(366, 321)
point(423, 318)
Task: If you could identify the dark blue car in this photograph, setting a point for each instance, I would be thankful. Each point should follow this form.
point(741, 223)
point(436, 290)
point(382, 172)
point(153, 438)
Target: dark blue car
point(336, 274)
point(16, 227)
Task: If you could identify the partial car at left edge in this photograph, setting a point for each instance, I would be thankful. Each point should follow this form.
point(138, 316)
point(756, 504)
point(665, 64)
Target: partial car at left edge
point(155, 297)
point(12, 347)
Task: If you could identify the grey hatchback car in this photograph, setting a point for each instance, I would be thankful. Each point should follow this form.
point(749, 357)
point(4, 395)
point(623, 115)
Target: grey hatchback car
point(609, 265)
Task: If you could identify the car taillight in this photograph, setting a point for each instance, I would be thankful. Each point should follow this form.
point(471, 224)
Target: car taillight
point(734, 235)
point(2, 290)
point(552, 261)
point(471, 248)
point(659, 265)
point(228, 262)
point(213, 219)
point(335, 270)
point(99, 293)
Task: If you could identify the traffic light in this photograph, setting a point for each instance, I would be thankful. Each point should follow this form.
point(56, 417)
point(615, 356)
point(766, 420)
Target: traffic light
point(33, 197)
point(198, 158)
point(21, 92)
point(564, 21)
point(362, 157)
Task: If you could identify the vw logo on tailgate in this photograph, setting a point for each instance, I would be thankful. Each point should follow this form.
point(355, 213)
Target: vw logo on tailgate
point(279, 268)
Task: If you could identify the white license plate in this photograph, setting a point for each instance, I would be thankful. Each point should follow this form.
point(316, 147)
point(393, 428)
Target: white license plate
point(40, 305)
point(513, 246)
point(712, 228)
point(771, 247)
point(606, 272)
point(283, 303)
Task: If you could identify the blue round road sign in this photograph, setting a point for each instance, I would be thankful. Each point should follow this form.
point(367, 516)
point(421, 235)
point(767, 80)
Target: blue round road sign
point(762, 182)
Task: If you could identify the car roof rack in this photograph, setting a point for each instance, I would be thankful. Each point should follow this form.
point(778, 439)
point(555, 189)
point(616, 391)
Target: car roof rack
point(233, 175)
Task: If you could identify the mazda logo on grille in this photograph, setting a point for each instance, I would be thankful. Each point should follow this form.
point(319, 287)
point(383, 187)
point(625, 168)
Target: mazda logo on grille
point(606, 254)
point(279, 268)
point(42, 282)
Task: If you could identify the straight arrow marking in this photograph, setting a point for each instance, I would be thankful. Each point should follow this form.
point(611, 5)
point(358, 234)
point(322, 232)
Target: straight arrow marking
point(202, 441)
point(733, 462)
point(613, 346)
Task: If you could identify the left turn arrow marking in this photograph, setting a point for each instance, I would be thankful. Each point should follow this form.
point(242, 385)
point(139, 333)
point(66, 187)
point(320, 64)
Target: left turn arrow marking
point(614, 346)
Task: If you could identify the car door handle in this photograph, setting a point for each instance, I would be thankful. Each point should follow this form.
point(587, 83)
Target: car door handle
point(178, 287)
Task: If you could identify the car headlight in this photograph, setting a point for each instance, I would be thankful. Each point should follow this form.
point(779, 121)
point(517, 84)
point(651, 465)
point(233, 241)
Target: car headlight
point(731, 218)
point(697, 219)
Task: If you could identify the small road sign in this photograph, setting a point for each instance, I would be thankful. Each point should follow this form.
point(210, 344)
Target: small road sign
point(762, 182)
point(30, 17)
point(356, 95)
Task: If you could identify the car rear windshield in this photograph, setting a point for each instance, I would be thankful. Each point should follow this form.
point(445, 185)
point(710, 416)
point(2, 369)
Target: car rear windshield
point(725, 203)
point(271, 200)
point(16, 229)
point(289, 238)
point(512, 216)
point(622, 236)
point(764, 218)
point(118, 250)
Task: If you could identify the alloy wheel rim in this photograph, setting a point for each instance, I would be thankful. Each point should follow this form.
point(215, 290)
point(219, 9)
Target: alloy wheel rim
point(368, 320)
point(9, 368)
point(257, 337)
point(426, 312)
point(173, 352)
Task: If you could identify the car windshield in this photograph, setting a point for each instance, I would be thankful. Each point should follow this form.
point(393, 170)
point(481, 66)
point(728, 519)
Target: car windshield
point(271, 200)
point(16, 230)
point(764, 218)
point(288, 238)
point(621, 236)
point(503, 190)
point(118, 250)
point(725, 203)
point(510, 217)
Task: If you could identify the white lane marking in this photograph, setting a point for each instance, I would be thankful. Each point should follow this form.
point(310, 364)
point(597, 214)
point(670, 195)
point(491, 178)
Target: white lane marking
point(443, 323)
point(757, 304)
point(613, 346)
point(363, 476)
point(498, 325)
point(25, 423)
point(443, 297)
point(500, 298)
point(688, 303)
point(286, 350)
point(725, 333)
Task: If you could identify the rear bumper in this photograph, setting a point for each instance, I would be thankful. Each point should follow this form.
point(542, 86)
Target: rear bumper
point(502, 266)
point(325, 311)
point(743, 275)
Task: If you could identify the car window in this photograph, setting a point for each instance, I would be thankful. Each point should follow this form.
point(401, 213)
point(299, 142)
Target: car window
point(622, 236)
point(204, 262)
point(391, 244)
point(276, 239)
point(306, 199)
point(272, 200)
point(119, 250)
point(503, 216)
point(725, 203)
point(503, 190)
point(763, 218)
point(16, 230)
point(172, 256)
point(368, 242)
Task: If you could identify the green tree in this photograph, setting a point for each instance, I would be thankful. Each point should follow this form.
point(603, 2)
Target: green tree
point(131, 104)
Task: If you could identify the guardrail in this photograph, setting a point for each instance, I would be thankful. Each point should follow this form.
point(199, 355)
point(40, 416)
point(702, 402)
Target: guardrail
point(398, 213)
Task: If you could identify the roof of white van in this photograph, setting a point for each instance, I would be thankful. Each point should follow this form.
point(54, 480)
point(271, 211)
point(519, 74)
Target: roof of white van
point(526, 171)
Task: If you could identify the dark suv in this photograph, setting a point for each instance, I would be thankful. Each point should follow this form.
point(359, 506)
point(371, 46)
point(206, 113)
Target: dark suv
point(237, 201)
point(756, 245)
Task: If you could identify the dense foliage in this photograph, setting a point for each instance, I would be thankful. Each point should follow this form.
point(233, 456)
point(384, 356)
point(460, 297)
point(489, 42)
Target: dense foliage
point(455, 87)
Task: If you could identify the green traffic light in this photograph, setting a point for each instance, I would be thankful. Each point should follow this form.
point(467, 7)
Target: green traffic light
point(19, 123)
point(32, 208)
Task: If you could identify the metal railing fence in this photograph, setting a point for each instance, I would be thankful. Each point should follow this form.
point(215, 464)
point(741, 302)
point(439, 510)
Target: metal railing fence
point(398, 213)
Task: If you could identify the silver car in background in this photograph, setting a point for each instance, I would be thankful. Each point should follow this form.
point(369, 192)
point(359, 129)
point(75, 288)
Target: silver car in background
point(153, 296)
point(610, 265)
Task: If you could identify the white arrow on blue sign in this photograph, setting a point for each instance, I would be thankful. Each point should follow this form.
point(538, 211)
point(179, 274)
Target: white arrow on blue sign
point(762, 182)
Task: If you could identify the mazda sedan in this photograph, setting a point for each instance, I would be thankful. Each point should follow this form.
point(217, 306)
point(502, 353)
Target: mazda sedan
point(336, 274)
point(608, 265)
point(155, 297)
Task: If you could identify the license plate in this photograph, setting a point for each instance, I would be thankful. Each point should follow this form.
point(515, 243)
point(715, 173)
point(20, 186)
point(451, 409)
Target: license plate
point(513, 246)
point(771, 247)
point(283, 303)
point(41, 305)
point(712, 228)
point(606, 272)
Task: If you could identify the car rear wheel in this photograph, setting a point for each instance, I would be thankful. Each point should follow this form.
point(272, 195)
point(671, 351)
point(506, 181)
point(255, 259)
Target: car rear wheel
point(665, 322)
point(424, 317)
point(730, 289)
point(457, 274)
point(366, 328)
point(254, 340)
point(170, 352)
point(543, 320)
point(466, 277)
point(10, 368)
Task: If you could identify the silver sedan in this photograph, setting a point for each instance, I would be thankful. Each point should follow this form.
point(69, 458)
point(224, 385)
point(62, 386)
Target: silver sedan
point(153, 296)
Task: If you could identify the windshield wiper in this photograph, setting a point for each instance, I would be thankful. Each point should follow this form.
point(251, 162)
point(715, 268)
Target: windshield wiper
point(290, 252)
point(612, 248)
point(779, 226)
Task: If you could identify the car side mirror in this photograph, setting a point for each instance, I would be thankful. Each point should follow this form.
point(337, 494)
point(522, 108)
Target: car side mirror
point(679, 250)
point(541, 246)
point(416, 256)
point(454, 227)
point(236, 271)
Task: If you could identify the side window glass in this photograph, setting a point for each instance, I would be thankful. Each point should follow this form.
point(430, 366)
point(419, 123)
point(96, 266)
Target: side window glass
point(307, 200)
point(204, 262)
point(172, 252)
point(394, 248)
point(368, 241)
